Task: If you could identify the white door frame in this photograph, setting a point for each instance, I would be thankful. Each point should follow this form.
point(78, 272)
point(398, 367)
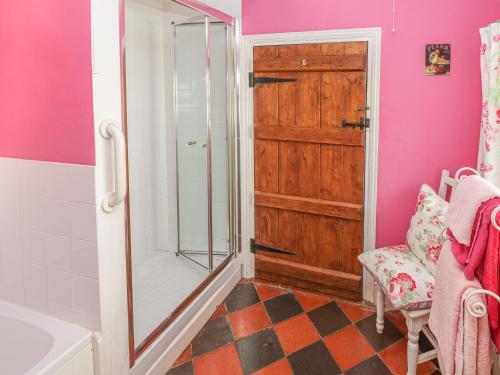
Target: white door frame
point(371, 35)
point(111, 345)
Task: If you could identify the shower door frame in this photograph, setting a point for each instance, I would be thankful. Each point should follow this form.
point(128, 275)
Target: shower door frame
point(229, 154)
point(234, 188)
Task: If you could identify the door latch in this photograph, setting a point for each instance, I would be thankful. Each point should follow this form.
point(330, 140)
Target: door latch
point(363, 123)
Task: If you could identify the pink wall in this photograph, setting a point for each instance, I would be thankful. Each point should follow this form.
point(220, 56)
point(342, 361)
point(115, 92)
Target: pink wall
point(46, 81)
point(426, 123)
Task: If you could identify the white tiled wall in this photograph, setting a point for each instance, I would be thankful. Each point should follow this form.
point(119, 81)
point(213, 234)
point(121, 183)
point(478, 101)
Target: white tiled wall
point(48, 251)
point(151, 130)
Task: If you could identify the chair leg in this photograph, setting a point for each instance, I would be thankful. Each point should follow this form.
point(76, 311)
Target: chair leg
point(414, 328)
point(380, 310)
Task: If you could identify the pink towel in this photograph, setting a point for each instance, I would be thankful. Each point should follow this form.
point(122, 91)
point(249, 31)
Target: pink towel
point(482, 259)
point(464, 341)
point(490, 279)
point(464, 203)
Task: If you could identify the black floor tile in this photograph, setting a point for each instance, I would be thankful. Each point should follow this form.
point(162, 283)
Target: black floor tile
point(184, 369)
point(259, 350)
point(213, 335)
point(372, 366)
point(283, 307)
point(423, 343)
point(313, 359)
point(379, 342)
point(242, 296)
point(436, 362)
point(328, 318)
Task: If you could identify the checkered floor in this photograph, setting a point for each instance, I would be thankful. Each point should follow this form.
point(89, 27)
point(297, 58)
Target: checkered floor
point(265, 329)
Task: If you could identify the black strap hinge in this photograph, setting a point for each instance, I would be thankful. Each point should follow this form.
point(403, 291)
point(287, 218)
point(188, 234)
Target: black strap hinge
point(252, 80)
point(254, 247)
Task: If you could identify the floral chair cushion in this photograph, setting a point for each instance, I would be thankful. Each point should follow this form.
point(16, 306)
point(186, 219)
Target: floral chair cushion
point(427, 231)
point(406, 282)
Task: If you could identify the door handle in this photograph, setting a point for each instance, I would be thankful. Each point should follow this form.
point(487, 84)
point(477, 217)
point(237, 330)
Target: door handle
point(111, 130)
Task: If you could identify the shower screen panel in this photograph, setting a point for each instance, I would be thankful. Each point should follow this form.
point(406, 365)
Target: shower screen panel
point(181, 146)
point(193, 148)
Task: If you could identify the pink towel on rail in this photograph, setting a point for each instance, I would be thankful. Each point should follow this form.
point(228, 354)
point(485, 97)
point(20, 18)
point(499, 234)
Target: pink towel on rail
point(464, 203)
point(464, 341)
point(482, 259)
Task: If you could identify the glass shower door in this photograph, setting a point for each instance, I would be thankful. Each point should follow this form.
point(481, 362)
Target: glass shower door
point(193, 147)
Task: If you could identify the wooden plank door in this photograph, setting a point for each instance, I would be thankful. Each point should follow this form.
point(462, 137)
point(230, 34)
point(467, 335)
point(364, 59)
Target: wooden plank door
point(309, 170)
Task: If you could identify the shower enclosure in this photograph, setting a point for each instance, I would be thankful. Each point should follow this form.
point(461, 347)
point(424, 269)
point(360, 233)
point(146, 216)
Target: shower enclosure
point(179, 74)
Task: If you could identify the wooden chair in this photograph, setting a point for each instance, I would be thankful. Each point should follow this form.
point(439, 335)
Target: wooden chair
point(416, 320)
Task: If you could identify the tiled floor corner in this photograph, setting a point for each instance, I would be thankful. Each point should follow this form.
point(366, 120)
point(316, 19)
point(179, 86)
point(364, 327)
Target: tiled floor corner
point(264, 329)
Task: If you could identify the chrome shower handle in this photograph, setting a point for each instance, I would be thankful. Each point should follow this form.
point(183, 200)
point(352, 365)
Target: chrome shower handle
point(195, 143)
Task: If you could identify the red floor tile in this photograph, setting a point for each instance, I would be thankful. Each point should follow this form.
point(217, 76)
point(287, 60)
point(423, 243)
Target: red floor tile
point(394, 358)
point(296, 333)
point(251, 319)
point(185, 356)
point(221, 311)
point(398, 319)
point(311, 301)
point(267, 292)
point(277, 368)
point(348, 347)
point(355, 312)
point(223, 361)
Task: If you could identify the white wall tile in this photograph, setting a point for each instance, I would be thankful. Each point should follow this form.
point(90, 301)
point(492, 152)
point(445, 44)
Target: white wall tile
point(86, 294)
point(35, 281)
point(48, 239)
point(60, 288)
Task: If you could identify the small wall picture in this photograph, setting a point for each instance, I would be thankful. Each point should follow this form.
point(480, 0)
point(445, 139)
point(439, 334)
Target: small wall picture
point(437, 59)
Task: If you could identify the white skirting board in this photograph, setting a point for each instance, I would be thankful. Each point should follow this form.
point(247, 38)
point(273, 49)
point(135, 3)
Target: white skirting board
point(159, 357)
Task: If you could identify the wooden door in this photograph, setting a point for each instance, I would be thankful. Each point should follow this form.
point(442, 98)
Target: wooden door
point(309, 170)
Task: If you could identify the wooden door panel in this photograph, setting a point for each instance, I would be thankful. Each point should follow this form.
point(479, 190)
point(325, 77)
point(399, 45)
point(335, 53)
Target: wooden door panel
point(330, 243)
point(309, 173)
point(266, 226)
point(288, 170)
point(266, 165)
point(331, 172)
point(325, 136)
point(353, 174)
point(332, 49)
point(353, 245)
point(266, 103)
point(287, 99)
point(309, 98)
point(313, 206)
point(344, 63)
point(354, 92)
point(265, 52)
point(289, 227)
point(309, 170)
point(331, 103)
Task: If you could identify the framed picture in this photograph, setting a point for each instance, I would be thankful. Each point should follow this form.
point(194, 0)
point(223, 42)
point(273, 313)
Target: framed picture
point(437, 59)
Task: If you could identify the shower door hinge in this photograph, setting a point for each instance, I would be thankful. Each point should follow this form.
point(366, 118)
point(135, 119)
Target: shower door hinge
point(254, 247)
point(252, 80)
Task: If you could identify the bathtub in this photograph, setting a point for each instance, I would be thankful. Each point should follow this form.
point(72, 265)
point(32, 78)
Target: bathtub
point(33, 343)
